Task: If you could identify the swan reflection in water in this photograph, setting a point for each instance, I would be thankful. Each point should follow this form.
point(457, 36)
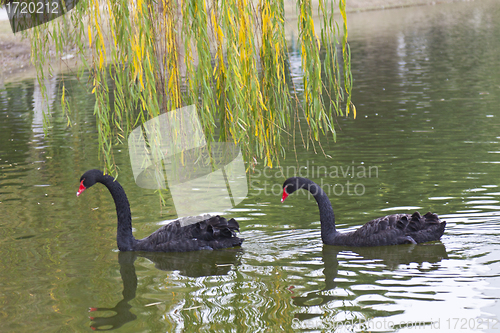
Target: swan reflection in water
point(189, 264)
point(384, 258)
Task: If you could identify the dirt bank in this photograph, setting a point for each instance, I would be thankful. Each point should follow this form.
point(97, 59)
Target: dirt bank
point(15, 52)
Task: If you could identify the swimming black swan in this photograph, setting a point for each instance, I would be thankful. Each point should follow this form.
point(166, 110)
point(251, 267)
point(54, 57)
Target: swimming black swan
point(387, 230)
point(213, 233)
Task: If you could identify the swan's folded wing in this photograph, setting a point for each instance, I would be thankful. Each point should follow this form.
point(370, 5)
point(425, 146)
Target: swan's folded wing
point(213, 233)
point(401, 229)
point(385, 230)
point(389, 223)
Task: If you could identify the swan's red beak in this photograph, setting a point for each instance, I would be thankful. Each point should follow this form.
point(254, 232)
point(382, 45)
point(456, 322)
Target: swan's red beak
point(81, 189)
point(285, 195)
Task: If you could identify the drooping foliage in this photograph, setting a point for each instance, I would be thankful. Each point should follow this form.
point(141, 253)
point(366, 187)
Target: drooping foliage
point(229, 58)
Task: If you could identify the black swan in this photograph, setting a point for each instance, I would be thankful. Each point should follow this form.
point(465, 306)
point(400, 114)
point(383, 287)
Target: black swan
point(213, 233)
point(387, 230)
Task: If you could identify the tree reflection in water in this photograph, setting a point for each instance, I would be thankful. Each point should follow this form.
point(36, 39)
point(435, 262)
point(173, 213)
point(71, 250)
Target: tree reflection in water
point(382, 258)
point(190, 264)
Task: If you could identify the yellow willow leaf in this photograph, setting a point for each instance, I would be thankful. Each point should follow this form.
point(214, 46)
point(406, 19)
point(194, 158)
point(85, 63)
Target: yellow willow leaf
point(101, 59)
point(90, 36)
point(170, 81)
point(269, 161)
point(110, 11)
point(96, 14)
point(112, 19)
point(262, 104)
point(96, 7)
point(354, 110)
point(137, 50)
point(220, 33)
point(165, 7)
point(135, 68)
point(265, 22)
point(342, 12)
point(143, 46)
point(101, 39)
point(149, 62)
point(241, 35)
point(214, 20)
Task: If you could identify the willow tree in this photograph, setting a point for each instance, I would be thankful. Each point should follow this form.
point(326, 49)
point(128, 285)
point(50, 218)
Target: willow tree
point(229, 58)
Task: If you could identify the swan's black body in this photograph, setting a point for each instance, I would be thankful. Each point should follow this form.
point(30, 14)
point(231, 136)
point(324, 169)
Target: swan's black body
point(387, 230)
point(210, 234)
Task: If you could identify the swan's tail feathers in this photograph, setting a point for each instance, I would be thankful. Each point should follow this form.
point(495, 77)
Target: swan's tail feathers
point(432, 218)
point(233, 225)
point(440, 228)
point(426, 228)
point(402, 222)
point(220, 230)
point(220, 227)
point(432, 233)
point(418, 222)
point(416, 215)
point(221, 233)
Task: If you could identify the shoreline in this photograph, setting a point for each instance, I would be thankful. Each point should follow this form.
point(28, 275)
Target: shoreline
point(15, 53)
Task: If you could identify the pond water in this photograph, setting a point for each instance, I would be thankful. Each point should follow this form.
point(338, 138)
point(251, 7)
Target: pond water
point(426, 138)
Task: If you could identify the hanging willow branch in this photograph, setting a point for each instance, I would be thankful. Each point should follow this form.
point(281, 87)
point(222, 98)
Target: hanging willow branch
point(229, 58)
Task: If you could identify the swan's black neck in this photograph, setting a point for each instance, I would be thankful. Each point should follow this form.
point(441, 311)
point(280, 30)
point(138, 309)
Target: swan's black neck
point(326, 215)
point(124, 237)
